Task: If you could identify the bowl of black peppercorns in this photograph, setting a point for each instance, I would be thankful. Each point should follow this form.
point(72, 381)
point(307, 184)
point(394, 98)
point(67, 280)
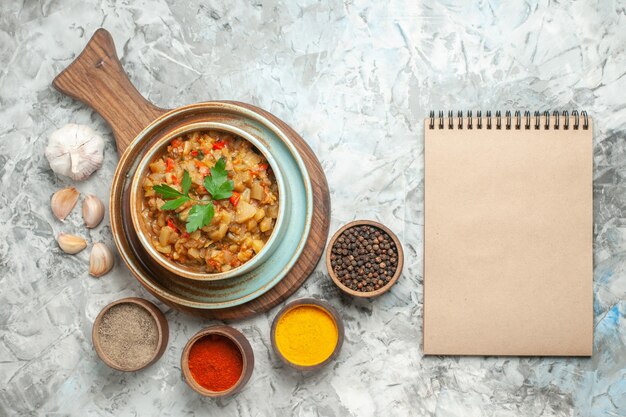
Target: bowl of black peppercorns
point(364, 258)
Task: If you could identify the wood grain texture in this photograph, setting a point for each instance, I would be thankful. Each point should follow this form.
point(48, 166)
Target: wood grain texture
point(96, 78)
point(144, 268)
point(315, 243)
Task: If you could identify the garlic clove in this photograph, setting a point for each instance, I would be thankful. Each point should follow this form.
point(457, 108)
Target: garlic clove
point(70, 243)
point(93, 211)
point(101, 260)
point(63, 201)
point(75, 151)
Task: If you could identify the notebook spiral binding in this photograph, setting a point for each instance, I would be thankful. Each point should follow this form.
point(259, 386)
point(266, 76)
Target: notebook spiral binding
point(497, 121)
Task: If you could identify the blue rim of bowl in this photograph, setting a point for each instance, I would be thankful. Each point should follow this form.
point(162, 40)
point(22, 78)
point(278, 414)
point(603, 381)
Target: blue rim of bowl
point(278, 277)
point(140, 173)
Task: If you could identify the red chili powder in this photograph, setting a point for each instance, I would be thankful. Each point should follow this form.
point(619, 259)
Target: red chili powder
point(215, 362)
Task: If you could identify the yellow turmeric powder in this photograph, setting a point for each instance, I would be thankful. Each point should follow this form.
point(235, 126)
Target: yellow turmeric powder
point(306, 335)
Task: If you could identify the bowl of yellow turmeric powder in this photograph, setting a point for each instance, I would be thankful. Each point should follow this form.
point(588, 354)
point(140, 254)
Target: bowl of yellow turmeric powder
point(307, 334)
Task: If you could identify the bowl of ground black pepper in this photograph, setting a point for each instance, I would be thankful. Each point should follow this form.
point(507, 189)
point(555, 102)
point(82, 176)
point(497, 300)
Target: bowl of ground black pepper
point(364, 258)
point(130, 334)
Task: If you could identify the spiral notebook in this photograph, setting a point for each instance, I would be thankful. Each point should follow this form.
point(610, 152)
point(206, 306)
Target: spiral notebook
point(508, 266)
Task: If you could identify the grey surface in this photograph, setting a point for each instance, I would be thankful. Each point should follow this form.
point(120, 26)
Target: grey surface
point(355, 78)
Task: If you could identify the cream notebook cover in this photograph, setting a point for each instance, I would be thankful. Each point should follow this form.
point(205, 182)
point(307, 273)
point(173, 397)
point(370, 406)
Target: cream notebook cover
point(508, 266)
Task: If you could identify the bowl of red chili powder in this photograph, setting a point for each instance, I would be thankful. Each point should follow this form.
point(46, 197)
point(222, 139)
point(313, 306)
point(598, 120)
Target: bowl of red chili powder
point(217, 361)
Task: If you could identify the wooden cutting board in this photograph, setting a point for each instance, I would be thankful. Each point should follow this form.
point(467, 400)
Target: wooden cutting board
point(97, 79)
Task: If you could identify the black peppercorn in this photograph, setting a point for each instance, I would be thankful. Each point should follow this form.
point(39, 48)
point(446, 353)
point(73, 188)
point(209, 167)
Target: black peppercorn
point(364, 258)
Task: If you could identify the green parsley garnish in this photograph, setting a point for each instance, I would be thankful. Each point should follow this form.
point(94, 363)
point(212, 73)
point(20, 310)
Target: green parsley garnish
point(218, 184)
point(201, 213)
point(200, 216)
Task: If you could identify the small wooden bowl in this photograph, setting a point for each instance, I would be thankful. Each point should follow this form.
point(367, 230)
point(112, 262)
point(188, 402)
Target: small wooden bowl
point(239, 340)
point(162, 329)
point(326, 307)
point(365, 294)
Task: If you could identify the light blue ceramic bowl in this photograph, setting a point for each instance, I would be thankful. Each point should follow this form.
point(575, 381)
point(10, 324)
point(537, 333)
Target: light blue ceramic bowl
point(136, 203)
point(202, 295)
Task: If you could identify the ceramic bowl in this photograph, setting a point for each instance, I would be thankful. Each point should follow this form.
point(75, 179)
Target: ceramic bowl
point(208, 297)
point(161, 324)
point(393, 279)
point(97, 78)
point(136, 204)
point(239, 340)
point(309, 302)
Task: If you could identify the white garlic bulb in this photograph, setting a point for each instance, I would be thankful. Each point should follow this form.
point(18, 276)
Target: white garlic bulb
point(75, 151)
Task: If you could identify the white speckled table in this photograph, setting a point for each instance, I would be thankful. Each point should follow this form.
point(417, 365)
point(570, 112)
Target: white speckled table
point(355, 79)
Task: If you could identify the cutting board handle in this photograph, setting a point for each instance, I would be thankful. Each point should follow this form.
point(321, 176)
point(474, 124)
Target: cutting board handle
point(97, 79)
